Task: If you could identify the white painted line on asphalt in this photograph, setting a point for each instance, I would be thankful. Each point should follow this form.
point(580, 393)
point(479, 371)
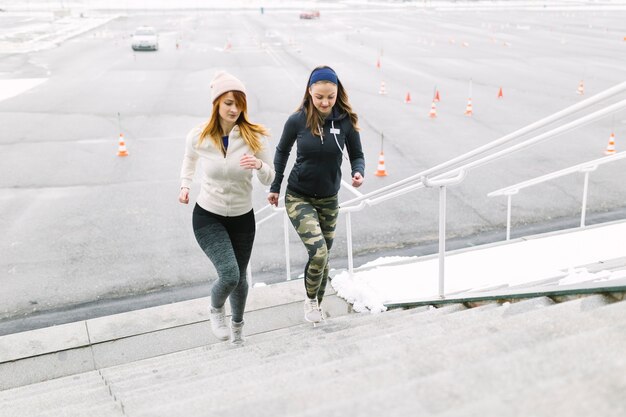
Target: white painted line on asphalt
point(272, 54)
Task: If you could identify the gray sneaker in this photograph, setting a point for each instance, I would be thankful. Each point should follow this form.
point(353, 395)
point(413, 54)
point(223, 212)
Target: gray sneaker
point(312, 312)
point(236, 333)
point(218, 323)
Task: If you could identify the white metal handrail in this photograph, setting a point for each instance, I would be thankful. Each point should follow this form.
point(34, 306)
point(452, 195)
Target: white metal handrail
point(454, 171)
point(619, 88)
point(586, 168)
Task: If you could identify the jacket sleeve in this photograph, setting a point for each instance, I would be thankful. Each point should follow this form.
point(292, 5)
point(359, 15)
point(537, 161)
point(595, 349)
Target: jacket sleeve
point(190, 160)
point(266, 174)
point(283, 149)
point(355, 151)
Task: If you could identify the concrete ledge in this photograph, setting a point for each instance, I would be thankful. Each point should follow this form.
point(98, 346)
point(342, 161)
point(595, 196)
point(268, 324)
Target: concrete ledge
point(88, 345)
point(147, 320)
point(42, 341)
point(44, 367)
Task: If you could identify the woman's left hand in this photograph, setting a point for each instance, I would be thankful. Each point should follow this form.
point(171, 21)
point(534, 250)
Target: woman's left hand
point(357, 180)
point(250, 162)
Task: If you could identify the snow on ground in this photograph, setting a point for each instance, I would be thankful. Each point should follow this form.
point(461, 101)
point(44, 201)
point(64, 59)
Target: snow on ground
point(11, 88)
point(560, 255)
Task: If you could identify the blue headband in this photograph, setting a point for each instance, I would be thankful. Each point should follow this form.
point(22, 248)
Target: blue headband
point(323, 74)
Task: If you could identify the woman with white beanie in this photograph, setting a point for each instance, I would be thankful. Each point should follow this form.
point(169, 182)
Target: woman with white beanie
point(229, 147)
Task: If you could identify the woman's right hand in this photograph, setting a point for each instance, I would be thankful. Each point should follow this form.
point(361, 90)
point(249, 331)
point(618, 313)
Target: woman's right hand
point(273, 199)
point(183, 197)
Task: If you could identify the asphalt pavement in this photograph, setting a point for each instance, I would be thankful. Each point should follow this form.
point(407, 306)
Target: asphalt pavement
point(81, 226)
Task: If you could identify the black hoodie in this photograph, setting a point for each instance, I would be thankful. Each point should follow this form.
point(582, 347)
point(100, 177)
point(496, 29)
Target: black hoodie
point(317, 171)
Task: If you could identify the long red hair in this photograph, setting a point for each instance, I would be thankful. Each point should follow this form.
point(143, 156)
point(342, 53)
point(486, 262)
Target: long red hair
point(250, 132)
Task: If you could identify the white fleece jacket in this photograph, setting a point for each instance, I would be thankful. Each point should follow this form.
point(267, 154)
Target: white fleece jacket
point(226, 188)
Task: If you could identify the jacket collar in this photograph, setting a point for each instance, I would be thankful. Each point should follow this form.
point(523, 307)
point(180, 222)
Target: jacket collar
point(235, 132)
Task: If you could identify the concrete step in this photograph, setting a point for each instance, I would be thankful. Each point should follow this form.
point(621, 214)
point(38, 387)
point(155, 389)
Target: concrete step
point(577, 397)
point(558, 363)
point(433, 389)
point(330, 335)
point(85, 382)
point(66, 384)
point(299, 377)
point(86, 408)
point(285, 351)
point(255, 354)
point(260, 342)
point(103, 410)
point(551, 395)
point(490, 388)
point(72, 348)
point(84, 394)
point(323, 357)
point(369, 360)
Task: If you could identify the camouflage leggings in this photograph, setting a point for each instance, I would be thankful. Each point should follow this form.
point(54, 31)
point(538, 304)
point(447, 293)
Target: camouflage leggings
point(314, 219)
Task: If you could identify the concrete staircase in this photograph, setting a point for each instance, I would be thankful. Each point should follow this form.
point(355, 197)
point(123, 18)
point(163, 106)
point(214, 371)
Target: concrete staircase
point(533, 357)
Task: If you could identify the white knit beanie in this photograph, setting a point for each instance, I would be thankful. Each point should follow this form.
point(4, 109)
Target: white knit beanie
point(224, 82)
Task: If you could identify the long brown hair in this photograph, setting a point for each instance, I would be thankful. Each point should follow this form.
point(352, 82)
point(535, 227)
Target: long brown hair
point(314, 118)
point(250, 132)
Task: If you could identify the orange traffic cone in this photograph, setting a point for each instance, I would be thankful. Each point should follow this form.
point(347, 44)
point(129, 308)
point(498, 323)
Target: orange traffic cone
point(500, 95)
point(121, 149)
point(407, 99)
point(378, 63)
point(581, 88)
point(437, 95)
point(468, 108)
point(380, 171)
point(433, 110)
point(610, 148)
point(382, 88)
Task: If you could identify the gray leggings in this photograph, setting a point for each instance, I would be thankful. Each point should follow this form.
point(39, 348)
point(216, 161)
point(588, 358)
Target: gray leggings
point(227, 241)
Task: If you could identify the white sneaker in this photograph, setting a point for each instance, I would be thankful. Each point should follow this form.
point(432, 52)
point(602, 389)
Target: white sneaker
point(312, 312)
point(218, 323)
point(236, 333)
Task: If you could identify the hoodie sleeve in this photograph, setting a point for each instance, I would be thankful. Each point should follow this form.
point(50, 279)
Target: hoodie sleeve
point(355, 151)
point(266, 173)
point(190, 160)
point(283, 149)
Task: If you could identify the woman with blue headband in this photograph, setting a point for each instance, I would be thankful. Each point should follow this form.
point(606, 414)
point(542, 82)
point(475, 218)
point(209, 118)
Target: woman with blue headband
point(323, 125)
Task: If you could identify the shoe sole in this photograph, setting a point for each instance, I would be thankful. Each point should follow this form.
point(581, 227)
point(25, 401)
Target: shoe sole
point(224, 337)
point(312, 321)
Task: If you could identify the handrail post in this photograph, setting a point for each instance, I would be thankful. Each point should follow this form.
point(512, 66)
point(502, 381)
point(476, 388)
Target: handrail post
point(349, 240)
point(442, 184)
point(509, 199)
point(508, 216)
point(583, 210)
point(286, 236)
point(442, 238)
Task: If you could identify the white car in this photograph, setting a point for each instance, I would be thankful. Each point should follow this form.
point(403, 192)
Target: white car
point(145, 38)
